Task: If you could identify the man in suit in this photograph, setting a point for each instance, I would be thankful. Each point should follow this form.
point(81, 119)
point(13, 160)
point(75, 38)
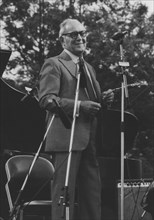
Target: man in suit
point(57, 84)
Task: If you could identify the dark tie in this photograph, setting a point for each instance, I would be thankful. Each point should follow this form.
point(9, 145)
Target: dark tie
point(85, 81)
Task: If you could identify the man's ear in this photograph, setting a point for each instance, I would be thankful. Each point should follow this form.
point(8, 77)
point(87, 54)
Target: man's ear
point(61, 39)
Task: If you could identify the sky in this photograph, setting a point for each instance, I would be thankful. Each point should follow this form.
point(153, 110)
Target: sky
point(149, 3)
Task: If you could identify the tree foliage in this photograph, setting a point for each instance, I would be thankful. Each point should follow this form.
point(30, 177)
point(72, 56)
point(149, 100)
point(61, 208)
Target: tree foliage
point(32, 28)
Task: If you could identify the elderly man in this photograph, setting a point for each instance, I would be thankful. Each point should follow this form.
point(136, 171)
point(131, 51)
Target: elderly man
point(57, 84)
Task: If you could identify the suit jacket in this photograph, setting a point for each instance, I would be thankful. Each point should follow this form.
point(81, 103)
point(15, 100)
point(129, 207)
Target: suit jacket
point(58, 79)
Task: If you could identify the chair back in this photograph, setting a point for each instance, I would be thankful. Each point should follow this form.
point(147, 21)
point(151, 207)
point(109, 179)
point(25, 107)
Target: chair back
point(38, 185)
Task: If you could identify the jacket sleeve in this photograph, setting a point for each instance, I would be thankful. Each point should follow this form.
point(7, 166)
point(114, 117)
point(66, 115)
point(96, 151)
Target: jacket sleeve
point(49, 87)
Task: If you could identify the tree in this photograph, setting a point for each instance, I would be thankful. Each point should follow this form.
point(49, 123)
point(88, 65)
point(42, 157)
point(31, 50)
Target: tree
point(32, 28)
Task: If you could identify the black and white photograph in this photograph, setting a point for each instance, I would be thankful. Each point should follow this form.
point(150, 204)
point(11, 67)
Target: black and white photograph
point(76, 109)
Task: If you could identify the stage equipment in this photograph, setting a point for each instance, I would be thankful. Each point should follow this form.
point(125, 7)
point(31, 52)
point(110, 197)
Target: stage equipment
point(4, 58)
point(134, 192)
point(148, 201)
point(110, 175)
point(21, 104)
point(20, 127)
point(14, 210)
point(124, 94)
point(64, 198)
point(32, 92)
point(35, 200)
point(111, 127)
point(138, 84)
point(63, 116)
point(22, 123)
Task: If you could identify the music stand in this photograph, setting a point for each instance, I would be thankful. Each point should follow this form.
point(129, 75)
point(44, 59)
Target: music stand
point(111, 125)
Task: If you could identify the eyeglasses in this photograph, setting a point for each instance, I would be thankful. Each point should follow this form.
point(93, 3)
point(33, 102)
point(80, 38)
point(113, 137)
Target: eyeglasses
point(75, 34)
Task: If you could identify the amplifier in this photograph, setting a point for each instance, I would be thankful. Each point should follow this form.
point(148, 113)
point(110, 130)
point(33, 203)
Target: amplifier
point(135, 192)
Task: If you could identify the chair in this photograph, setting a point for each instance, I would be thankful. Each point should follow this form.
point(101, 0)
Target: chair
point(35, 199)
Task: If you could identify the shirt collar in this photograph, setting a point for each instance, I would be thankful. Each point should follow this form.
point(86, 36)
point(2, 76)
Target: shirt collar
point(74, 58)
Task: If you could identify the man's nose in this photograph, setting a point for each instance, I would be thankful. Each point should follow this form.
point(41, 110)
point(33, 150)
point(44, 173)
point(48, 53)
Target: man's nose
point(79, 36)
point(81, 39)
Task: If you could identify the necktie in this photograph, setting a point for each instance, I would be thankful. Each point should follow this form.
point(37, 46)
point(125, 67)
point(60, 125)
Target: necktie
point(85, 81)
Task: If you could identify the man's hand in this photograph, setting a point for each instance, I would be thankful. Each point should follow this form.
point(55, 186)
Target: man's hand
point(108, 96)
point(90, 107)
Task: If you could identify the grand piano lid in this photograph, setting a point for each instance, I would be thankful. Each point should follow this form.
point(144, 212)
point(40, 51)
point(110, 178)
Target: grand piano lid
point(111, 132)
point(4, 58)
point(22, 122)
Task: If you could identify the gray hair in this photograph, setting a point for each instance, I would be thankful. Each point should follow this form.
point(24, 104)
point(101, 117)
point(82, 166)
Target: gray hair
point(64, 25)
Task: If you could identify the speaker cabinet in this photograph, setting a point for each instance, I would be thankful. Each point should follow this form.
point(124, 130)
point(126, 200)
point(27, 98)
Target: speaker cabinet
point(134, 194)
point(134, 189)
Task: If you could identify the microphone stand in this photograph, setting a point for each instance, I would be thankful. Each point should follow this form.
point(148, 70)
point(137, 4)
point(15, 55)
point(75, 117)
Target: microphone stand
point(124, 93)
point(65, 197)
point(14, 212)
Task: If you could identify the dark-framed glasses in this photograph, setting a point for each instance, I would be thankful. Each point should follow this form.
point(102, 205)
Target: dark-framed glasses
point(75, 34)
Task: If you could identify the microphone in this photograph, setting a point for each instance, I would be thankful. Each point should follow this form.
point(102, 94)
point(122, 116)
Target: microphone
point(119, 35)
point(63, 116)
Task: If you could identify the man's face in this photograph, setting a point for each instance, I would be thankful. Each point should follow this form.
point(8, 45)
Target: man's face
point(74, 38)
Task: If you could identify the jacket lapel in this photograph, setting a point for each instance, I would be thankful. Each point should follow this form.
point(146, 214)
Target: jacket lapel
point(67, 62)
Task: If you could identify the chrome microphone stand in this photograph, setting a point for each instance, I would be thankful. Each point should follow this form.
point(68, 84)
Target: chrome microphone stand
point(65, 197)
point(124, 93)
